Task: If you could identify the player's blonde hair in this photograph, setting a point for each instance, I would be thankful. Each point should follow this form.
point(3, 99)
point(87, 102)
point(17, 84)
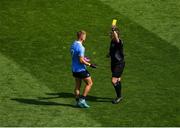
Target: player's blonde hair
point(79, 33)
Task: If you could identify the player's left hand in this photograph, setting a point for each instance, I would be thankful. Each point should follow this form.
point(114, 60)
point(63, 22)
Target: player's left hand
point(93, 65)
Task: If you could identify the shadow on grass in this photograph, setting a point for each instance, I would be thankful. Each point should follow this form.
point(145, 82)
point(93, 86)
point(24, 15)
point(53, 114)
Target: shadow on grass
point(43, 100)
point(71, 95)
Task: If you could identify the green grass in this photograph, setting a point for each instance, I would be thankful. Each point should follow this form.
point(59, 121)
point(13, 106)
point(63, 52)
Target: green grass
point(158, 16)
point(36, 83)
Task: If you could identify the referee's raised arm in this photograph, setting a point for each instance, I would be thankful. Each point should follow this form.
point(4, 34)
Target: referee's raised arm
point(115, 34)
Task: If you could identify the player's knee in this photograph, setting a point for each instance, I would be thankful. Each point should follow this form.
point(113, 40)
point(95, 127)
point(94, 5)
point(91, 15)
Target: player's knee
point(76, 90)
point(90, 83)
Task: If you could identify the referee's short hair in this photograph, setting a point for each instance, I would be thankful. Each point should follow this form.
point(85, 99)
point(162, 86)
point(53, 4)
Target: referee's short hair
point(79, 33)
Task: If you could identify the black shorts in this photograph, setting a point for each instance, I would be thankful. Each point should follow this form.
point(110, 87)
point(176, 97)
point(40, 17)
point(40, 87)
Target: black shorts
point(81, 75)
point(117, 69)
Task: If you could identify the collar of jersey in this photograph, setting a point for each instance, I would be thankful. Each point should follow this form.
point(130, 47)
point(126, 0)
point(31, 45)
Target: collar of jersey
point(79, 42)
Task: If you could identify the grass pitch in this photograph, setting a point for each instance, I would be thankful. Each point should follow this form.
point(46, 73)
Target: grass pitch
point(35, 80)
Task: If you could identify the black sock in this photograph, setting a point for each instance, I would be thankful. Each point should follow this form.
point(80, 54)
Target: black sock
point(77, 99)
point(83, 97)
point(117, 87)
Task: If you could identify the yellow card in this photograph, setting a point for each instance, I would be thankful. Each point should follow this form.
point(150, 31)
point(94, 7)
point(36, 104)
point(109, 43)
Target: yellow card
point(114, 22)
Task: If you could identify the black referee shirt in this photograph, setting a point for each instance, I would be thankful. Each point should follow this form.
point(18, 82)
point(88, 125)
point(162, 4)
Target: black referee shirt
point(116, 52)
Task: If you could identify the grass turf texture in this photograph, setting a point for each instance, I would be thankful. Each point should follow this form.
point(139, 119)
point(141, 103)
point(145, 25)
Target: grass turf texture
point(35, 80)
point(158, 16)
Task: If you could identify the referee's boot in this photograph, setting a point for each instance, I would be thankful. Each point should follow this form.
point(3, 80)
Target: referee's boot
point(117, 100)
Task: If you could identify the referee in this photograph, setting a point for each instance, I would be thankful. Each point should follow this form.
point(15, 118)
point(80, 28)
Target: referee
point(117, 62)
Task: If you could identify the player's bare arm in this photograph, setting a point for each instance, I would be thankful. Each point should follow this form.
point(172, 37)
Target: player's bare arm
point(83, 61)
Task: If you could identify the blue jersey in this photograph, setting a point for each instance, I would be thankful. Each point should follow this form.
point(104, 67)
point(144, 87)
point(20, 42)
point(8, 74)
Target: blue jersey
point(77, 51)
